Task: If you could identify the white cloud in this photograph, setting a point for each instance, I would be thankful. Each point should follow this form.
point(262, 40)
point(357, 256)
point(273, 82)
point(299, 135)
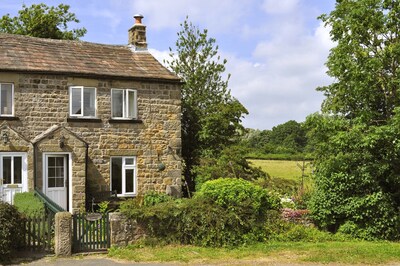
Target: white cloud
point(160, 55)
point(276, 60)
point(281, 85)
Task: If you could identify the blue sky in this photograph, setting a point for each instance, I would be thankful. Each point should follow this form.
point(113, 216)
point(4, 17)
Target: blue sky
point(276, 50)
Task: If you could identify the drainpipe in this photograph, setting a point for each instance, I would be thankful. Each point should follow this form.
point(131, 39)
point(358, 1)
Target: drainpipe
point(86, 175)
point(34, 167)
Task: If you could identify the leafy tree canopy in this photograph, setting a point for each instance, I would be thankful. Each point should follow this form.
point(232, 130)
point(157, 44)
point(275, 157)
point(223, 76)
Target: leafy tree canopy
point(42, 21)
point(211, 117)
point(365, 62)
point(357, 136)
point(287, 138)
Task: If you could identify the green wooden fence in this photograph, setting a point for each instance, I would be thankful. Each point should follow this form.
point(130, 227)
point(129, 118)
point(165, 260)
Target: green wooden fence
point(39, 232)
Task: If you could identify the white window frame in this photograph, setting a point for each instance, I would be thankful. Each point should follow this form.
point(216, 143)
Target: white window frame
point(24, 167)
point(123, 177)
point(125, 104)
point(81, 115)
point(12, 99)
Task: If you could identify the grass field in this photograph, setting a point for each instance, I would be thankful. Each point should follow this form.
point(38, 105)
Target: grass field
point(290, 170)
point(350, 253)
point(286, 176)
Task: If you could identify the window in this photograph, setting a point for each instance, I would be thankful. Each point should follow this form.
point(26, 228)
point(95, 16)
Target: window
point(123, 104)
point(82, 101)
point(123, 175)
point(56, 171)
point(13, 175)
point(12, 169)
point(6, 99)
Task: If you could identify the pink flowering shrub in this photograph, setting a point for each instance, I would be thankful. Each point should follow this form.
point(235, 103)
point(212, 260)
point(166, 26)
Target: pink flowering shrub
point(297, 216)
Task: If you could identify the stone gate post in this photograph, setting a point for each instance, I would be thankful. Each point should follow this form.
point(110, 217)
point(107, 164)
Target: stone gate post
point(63, 234)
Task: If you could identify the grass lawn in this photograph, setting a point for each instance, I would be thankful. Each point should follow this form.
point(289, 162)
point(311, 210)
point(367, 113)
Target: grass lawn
point(354, 252)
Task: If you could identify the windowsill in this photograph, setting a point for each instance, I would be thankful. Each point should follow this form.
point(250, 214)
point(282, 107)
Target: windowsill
point(84, 120)
point(9, 117)
point(125, 121)
point(126, 195)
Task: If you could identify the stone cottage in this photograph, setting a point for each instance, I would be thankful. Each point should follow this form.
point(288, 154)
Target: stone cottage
point(80, 118)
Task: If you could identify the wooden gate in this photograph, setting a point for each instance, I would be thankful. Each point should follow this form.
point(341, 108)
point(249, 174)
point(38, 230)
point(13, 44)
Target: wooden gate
point(91, 232)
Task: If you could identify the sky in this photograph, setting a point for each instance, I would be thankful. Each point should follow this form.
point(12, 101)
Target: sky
point(275, 50)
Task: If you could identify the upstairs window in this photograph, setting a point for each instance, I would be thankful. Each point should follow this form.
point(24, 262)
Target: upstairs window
point(6, 99)
point(82, 101)
point(123, 104)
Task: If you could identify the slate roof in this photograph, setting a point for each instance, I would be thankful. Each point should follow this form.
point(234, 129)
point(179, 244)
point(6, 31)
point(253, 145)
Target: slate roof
point(29, 54)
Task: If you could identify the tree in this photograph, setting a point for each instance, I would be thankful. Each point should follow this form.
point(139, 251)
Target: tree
point(357, 136)
point(287, 138)
point(231, 163)
point(211, 117)
point(290, 136)
point(42, 21)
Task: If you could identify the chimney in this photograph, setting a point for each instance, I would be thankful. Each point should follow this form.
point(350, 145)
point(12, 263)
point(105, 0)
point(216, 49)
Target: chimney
point(137, 34)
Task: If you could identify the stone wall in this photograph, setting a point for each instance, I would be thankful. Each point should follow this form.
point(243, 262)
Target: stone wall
point(123, 231)
point(42, 101)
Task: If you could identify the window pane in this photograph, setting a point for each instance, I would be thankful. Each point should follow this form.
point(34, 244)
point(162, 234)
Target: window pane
point(116, 175)
point(59, 172)
point(117, 103)
point(51, 172)
point(17, 170)
point(129, 181)
point(89, 101)
point(59, 161)
point(6, 170)
point(131, 104)
point(59, 182)
point(6, 99)
point(76, 101)
point(51, 161)
point(129, 161)
point(52, 182)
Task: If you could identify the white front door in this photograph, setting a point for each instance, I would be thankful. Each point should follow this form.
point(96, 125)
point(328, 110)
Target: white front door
point(56, 180)
point(13, 175)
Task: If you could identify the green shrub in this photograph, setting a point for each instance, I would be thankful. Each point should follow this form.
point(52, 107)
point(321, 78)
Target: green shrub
point(152, 198)
point(299, 232)
point(197, 222)
point(227, 212)
point(232, 193)
point(28, 204)
point(352, 229)
point(357, 176)
point(10, 229)
point(278, 229)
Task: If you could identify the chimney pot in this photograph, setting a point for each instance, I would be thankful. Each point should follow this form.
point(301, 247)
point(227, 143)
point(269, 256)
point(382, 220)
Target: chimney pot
point(138, 18)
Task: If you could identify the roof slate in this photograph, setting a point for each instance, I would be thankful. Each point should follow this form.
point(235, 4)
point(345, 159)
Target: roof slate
point(30, 54)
